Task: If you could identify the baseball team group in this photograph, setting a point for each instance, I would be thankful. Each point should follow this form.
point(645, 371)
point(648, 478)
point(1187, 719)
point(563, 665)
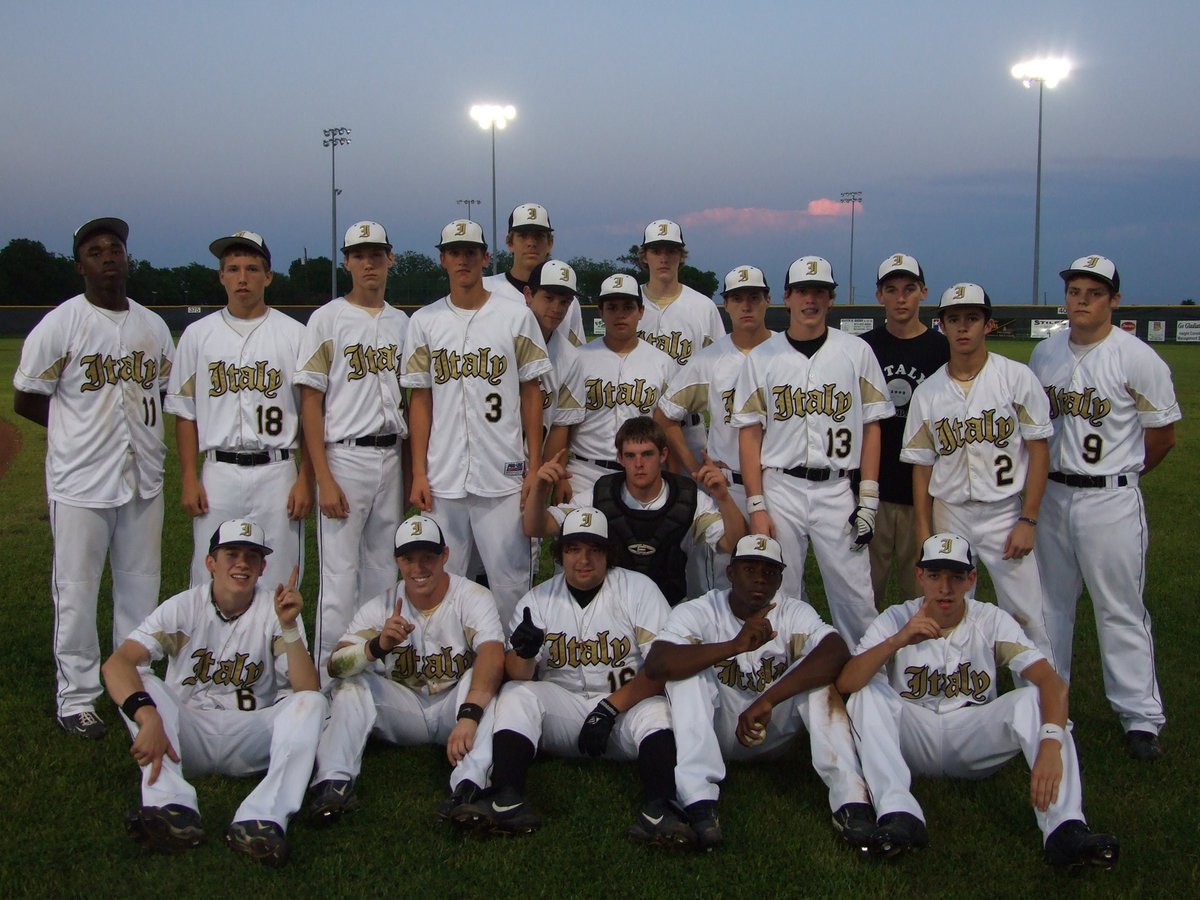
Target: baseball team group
point(680, 473)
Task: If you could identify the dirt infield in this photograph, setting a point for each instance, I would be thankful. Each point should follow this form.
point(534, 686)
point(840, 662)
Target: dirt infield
point(10, 443)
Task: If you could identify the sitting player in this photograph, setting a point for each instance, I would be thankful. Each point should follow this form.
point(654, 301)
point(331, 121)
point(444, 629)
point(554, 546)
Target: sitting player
point(419, 664)
point(748, 669)
point(231, 649)
point(936, 709)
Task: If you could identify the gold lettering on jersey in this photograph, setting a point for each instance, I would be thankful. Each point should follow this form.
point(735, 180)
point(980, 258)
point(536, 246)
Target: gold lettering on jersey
point(575, 651)
point(675, 345)
point(954, 434)
point(101, 370)
point(1085, 404)
point(727, 401)
point(450, 365)
point(962, 681)
point(367, 360)
point(823, 401)
point(432, 668)
point(603, 394)
point(237, 672)
point(229, 379)
point(757, 681)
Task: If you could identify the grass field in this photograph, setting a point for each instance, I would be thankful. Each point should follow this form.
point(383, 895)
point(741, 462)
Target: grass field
point(65, 798)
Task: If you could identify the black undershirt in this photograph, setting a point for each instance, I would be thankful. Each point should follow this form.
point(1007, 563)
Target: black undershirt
point(519, 285)
point(808, 348)
point(583, 598)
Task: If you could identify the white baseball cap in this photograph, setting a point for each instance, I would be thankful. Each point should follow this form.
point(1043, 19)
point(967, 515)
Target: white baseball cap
point(554, 275)
point(663, 231)
point(1099, 267)
point(247, 239)
point(744, 277)
point(462, 231)
point(900, 264)
point(759, 546)
point(810, 270)
point(620, 285)
point(947, 551)
point(585, 523)
point(366, 234)
point(108, 225)
point(529, 217)
point(419, 533)
point(965, 293)
point(238, 532)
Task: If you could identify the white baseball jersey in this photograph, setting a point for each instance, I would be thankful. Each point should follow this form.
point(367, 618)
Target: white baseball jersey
point(616, 388)
point(1101, 403)
point(353, 357)
point(238, 390)
point(562, 386)
point(104, 373)
point(594, 650)
point(975, 441)
point(706, 384)
point(709, 620)
point(474, 361)
point(570, 328)
point(443, 644)
point(683, 326)
point(707, 525)
point(959, 668)
point(812, 410)
point(214, 662)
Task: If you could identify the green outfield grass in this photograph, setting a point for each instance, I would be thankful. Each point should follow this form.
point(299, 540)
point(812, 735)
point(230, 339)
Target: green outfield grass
point(64, 798)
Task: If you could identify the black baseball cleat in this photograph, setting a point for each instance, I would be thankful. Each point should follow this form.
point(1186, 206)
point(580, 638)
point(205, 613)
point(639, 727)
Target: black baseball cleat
point(1143, 745)
point(897, 832)
point(331, 800)
point(172, 828)
point(1073, 844)
point(703, 818)
point(450, 808)
point(259, 839)
point(659, 825)
point(85, 724)
point(855, 822)
point(505, 812)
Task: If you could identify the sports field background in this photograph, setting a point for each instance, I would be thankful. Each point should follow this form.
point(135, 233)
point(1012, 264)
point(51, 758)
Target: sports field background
point(63, 798)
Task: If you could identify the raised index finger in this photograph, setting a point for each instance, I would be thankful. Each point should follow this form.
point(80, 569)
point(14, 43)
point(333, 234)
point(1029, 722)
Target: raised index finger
point(295, 575)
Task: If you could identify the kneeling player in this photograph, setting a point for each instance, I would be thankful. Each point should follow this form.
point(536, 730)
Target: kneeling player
point(419, 664)
point(749, 668)
point(230, 649)
point(935, 709)
point(583, 634)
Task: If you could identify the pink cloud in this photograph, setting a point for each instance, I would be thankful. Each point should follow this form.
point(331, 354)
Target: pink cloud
point(750, 220)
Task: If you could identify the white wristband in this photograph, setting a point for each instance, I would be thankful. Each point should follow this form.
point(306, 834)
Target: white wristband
point(1052, 732)
point(291, 634)
point(757, 503)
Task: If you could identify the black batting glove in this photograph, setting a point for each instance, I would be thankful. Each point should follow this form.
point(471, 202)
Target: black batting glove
point(593, 736)
point(527, 638)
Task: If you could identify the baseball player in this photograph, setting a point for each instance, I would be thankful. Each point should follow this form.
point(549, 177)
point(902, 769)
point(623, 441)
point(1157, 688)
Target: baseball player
point(808, 403)
point(354, 433)
point(924, 698)
point(1113, 409)
point(679, 320)
point(474, 367)
point(976, 438)
point(237, 407)
point(530, 239)
point(583, 635)
point(908, 353)
point(623, 378)
point(232, 650)
point(419, 664)
point(657, 519)
point(746, 669)
point(93, 373)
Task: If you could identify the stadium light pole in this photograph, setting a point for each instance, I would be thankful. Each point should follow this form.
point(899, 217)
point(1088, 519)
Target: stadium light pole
point(851, 197)
point(333, 138)
point(1046, 72)
point(493, 116)
point(469, 204)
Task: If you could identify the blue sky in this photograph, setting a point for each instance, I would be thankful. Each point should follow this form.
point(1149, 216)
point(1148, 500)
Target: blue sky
point(744, 124)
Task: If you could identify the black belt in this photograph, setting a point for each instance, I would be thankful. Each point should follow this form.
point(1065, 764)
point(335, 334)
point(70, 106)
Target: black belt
point(737, 479)
point(693, 419)
point(372, 440)
point(249, 459)
point(816, 474)
point(602, 463)
point(1088, 481)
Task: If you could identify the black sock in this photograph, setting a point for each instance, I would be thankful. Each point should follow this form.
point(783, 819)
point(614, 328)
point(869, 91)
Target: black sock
point(512, 754)
point(656, 766)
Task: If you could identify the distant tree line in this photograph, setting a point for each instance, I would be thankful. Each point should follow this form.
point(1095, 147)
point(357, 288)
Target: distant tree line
point(30, 275)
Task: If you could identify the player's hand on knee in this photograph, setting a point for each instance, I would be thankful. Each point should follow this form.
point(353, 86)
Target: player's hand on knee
point(334, 504)
point(761, 523)
point(1020, 541)
point(1046, 775)
point(527, 638)
point(461, 740)
point(300, 500)
point(593, 736)
point(151, 744)
point(752, 723)
point(755, 631)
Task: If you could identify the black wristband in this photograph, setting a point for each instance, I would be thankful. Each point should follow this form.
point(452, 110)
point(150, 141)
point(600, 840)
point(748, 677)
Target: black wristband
point(134, 702)
point(472, 711)
point(376, 651)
